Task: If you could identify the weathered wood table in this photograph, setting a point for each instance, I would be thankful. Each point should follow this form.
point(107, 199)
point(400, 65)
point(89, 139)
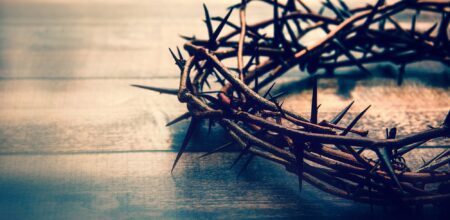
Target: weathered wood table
point(77, 142)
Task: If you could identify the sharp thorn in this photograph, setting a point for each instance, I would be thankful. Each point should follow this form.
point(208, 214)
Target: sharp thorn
point(430, 30)
point(436, 158)
point(208, 21)
point(180, 54)
point(221, 25)
point(268, 91)
point(383, 155)
point(353, 123)
point(187, 38)
point(278, 95)
point(408, 148)
point(314, 103)
point(173, 55)
point(156, 89)
point(186, 139)
point(341, 114)
point(220, 148)
point(179, 118)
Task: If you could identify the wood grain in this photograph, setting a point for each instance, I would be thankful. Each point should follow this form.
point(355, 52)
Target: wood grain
point(77, 142)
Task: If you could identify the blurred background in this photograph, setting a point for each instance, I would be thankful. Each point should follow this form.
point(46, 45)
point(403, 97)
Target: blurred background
point(76, 141)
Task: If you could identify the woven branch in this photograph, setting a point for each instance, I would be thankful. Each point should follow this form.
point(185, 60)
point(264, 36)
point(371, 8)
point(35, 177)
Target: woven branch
point(318, 152)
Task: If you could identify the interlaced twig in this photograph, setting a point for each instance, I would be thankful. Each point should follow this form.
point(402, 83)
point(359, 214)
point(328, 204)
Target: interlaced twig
point(319, 152)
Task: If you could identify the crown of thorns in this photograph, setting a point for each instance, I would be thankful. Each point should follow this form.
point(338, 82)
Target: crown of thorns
point(318, 152)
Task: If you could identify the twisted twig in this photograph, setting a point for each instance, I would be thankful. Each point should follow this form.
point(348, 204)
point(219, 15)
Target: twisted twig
point(319, 152)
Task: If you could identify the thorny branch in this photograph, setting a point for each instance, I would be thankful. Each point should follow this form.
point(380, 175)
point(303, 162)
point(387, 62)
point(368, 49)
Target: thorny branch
point(319, 152)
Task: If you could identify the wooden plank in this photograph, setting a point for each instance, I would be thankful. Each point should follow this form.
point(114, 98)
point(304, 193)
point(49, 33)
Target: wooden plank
point(77, 142)
point(109, 115)
point(139, 185)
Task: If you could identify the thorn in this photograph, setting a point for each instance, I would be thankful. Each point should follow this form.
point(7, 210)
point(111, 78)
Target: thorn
point(278, 105)
point(207, 83)
point(429, 31)
point(187, 38)
point(268, 91)
point(173, 55)
point(397, 26)
point(179, 53)
point(408, 148)
point(219, 79)
point(208, 21)
point(351, 57)
point(294, 39)
point(179, 118)
point(355, 154)
point(220, 148)
point(278, 95)
point(156, 89)
point(178, 62)
point(249, 64)
point(314, 102)
point(353, 123)
point(186, 139)
point(220, 27)
point(391, 133)
point(304, 6)
point(383, 155)
point(447, 120)
point(436, 158)
point(341, 114)
point(287, 48)
point(442, 31)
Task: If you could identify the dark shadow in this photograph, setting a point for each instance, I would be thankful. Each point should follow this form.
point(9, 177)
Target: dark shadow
point(437, 77)
point(266, 190)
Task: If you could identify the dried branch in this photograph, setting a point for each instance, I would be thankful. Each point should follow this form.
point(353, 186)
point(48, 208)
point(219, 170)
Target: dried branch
point(319, 153)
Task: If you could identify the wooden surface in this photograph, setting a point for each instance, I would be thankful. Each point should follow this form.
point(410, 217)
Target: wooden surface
point(77, 142)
